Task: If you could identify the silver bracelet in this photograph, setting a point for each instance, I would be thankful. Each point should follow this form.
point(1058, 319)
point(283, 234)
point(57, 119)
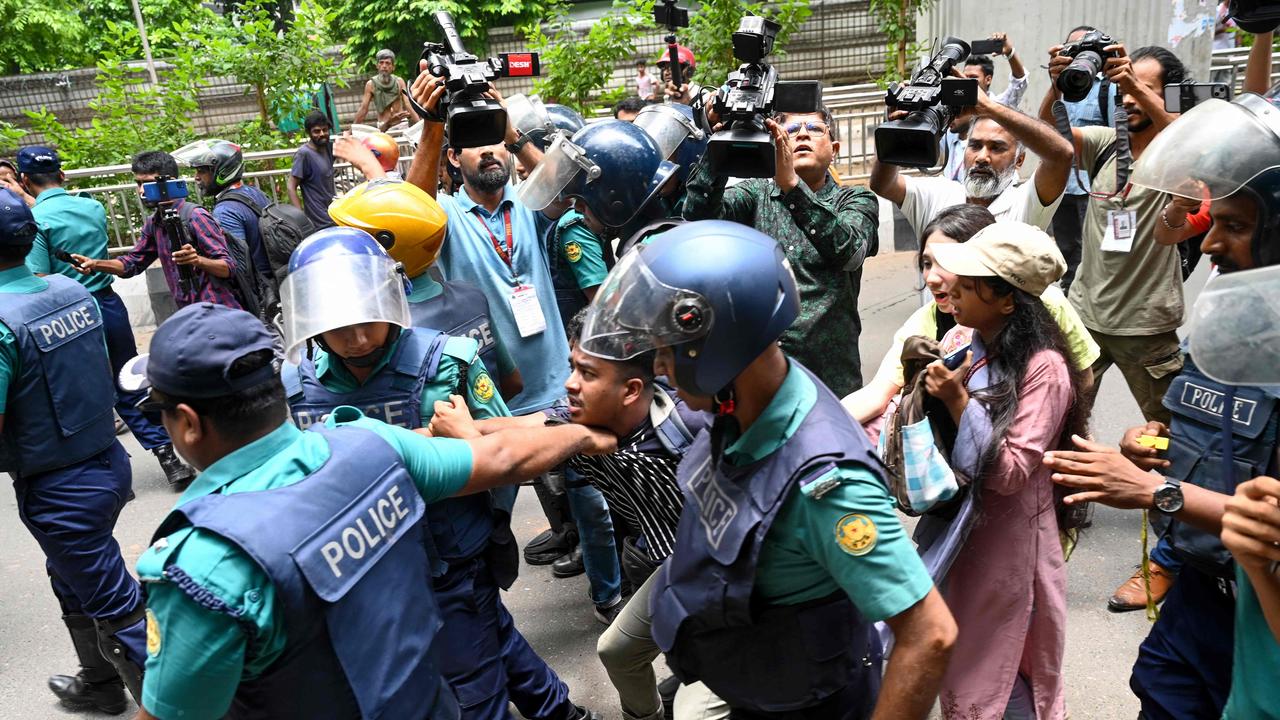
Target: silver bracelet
point(1164, 219)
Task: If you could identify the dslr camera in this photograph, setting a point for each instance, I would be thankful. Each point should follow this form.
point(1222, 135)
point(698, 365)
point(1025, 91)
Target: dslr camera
point(471, 118)
point(753, 93)
point(1089, 56)
point(932, 99)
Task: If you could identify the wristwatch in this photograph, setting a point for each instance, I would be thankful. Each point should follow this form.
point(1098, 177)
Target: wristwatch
point(1168, 497)
point(515, 147)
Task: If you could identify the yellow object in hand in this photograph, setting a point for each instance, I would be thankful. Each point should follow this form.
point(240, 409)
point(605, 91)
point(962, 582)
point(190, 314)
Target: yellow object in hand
point(1154, 441)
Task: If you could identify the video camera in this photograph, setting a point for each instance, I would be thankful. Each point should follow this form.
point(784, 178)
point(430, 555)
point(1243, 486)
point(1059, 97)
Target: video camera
point(1088, 55)
point(744, 148)
point(932, 97)
point(472, 119)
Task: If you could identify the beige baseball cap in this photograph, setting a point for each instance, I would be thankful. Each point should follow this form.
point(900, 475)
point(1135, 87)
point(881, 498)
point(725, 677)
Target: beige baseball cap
point(1021, 254)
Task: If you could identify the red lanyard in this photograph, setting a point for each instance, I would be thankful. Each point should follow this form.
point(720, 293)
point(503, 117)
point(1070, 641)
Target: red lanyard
point(511, 241)
point(982, 362)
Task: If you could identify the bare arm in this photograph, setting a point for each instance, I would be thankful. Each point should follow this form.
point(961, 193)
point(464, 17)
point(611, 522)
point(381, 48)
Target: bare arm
point(1056, 154)
point(510, 456)
point(887, 182)
point(86, 265)
point(1251, 531)
point(361, 158)
point(1119, 70)
point(870, 401)
point(1257, 73)
point(923, 637)
point(364, 102)
point(292, 186)
point(424, 171)
point(1172, 226)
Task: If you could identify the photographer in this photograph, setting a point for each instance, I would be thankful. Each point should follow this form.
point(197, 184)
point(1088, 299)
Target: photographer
point(982, 69)
point(208, 258)
point(827, 232)
point(998, 140)
point(1128, 288)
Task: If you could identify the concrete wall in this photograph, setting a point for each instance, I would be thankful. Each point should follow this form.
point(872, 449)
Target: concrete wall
point(1185, 26)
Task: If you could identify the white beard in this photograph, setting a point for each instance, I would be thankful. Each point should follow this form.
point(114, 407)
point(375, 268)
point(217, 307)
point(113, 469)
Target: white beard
point(983, 187)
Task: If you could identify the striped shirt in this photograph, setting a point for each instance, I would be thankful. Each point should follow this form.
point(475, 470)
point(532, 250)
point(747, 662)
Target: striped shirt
point(639, 481)
point(208, 241)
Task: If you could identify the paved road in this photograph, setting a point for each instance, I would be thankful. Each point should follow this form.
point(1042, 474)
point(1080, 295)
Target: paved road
point(556, 614)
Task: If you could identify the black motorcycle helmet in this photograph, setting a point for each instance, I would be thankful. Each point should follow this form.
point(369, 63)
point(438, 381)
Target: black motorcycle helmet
point(221, 156)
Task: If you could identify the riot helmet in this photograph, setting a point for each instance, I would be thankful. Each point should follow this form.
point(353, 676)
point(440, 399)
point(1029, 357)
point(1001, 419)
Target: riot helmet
point(717, 292)
point(679, 138)
point(340, 276)
point(613, 166)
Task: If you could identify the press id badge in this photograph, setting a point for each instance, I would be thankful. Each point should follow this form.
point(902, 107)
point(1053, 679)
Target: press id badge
point(1120, 229)
point(528, 312)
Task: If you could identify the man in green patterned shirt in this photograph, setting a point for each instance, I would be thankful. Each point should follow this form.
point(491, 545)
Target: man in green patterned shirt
point(826, 229)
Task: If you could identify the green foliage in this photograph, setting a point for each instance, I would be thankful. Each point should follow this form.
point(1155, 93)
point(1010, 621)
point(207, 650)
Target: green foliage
point(710, 33)
point(403, 25)
point(897, 20)
point(275, 65)
point(129, 114)
point(42, 36)
point(575, 65)
point(10, 137)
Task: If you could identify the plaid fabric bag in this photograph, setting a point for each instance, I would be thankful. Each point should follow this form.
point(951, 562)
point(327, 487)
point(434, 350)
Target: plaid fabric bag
point(915, 444)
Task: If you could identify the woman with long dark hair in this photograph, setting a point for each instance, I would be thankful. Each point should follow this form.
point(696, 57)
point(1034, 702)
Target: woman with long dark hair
point(1014, 398)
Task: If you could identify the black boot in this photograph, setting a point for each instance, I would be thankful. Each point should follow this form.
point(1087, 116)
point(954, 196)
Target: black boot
point(554, 543)
point(97, 686)
point(178, 473)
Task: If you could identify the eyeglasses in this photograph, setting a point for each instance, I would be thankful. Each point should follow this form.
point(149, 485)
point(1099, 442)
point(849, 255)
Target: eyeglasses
point(817, 129)
point(152, 404)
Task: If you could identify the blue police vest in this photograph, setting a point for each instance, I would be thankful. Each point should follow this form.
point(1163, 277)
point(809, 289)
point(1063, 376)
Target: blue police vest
point(768, 658)
point(59, 406)
point(461, 311)
point(569, 297)
point(343, 545)
point(1196, 453)
point(460, 527)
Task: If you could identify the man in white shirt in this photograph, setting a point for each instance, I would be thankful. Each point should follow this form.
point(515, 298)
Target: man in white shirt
point(982, 69)
point(996, 149)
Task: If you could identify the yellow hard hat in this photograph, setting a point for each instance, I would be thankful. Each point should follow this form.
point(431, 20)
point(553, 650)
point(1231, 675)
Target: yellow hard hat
point(409, 223)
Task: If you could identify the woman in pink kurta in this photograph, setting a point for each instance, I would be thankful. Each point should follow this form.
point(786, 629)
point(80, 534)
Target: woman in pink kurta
point(1007, 587)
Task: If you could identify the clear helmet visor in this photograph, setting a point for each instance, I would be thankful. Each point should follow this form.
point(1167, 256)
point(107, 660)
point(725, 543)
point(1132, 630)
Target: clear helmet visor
point(561, 163)
point(340, 291)
point(1235, 328)
point(526, 113)
point(667, 126)
point(194, 154)
point(1212, 150)
point(634, 312)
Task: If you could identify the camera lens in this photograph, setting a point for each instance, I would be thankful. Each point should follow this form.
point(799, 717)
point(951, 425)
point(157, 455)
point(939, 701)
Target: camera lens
point(912, 141)
point(1077, 78)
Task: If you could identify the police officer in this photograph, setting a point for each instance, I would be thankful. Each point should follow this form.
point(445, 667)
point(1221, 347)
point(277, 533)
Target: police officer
point(278, 587)
point(72, 224)
point(615, 171)
point(1184, 665)
point(345, 295)
point(788, 548)
point(411, 226)
point(681, 141)
point(70, 474)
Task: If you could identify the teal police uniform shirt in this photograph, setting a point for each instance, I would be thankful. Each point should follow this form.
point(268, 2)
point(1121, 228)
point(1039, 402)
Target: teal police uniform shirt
point(581, 251)
point(468, 255)
point(1255, 672)
point(425, 287)
point(837, 532)
point(75, 224)
point(196, 657)
point(19, 281)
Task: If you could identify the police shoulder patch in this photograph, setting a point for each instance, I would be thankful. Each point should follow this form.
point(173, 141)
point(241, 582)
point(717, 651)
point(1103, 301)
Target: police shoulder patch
point(856, 534)
point(573, 251)
point(153, 634)
point(483, 388)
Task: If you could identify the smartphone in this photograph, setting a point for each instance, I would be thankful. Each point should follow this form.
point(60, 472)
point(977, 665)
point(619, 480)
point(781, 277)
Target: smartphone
point(989, 46)
point(1181, 97)
point(956, 359)
point(154, 192)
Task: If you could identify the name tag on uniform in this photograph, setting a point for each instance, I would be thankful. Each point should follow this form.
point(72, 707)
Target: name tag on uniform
point(1120, 229)
point(63, 325)
point(528, 311)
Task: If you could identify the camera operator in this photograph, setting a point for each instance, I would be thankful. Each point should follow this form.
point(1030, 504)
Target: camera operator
point(827, 231)
point(998, 140)
point(498, 245)
point(687, 90)
point(1095, 109)
point(1128, 292)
